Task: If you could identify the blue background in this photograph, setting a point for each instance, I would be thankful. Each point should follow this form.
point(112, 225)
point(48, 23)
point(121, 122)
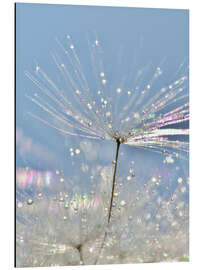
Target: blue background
point(154, 33)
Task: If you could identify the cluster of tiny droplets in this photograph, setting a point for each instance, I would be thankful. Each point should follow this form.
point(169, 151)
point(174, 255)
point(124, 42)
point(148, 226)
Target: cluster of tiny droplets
point(58, 226)
point(137, 116)
point(149, 223)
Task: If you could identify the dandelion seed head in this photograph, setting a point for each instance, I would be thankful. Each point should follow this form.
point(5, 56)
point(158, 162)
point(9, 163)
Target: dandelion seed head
point(148, 117)
point(137, 121)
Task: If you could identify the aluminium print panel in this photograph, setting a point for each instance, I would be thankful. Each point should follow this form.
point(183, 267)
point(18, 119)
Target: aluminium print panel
point(102, 135)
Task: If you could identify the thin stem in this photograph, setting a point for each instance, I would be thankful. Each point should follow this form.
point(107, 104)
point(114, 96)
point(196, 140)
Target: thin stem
point(79, 248)
point(112, 196)
point(114, 179)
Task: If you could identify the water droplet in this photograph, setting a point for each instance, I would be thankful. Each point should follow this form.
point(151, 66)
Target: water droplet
point(29, 201)
point(122, 203)
point(37, 68)
point(90, 124)
point(131, 170)
point(129, 93)
point(129, 178)
point(180, 180)
point(153, 179)
point(77, 151)
point(174, 224)
point(104, 81)
point(118, 90)
point(180, 213)
point(169, 159)
point(65, 218)
point(57, 172)
point(71, 46)
point(108, 114)
point(61, 180)
point(105, 102)
point(20, 205)
point(21, 239)
point(102, 74)
point(89, 106)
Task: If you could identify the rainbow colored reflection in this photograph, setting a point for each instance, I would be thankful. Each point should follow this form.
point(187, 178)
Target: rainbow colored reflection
point(27, 177)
